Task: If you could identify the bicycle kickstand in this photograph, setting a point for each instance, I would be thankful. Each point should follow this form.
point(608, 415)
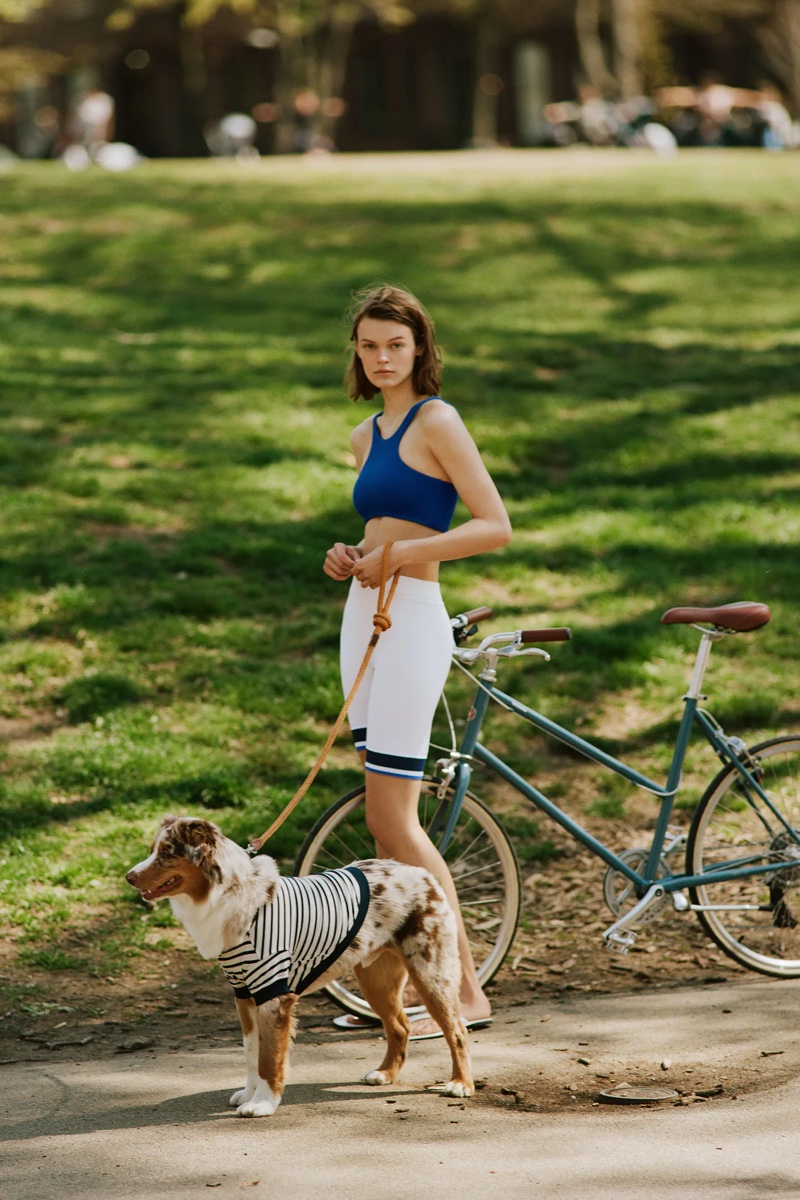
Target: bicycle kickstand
point(622, 934)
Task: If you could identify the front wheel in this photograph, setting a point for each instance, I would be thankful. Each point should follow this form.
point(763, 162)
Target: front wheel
point(480, 858)
point(756, 919)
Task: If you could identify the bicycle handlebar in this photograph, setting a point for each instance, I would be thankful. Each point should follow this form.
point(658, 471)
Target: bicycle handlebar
point(479, 614)
point(546, 635)
point(475, 614)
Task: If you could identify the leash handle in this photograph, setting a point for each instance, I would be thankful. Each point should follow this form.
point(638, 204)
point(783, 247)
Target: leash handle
point(381, 622)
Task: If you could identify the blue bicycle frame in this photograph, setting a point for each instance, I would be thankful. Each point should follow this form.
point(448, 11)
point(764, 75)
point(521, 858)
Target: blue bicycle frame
point(473, 750)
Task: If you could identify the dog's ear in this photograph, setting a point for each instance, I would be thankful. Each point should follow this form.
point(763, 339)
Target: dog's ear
point(163, 825)
point(201, 839)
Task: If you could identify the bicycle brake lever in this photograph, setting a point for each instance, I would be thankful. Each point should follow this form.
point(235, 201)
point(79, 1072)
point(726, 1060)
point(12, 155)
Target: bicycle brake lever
point(513, 652)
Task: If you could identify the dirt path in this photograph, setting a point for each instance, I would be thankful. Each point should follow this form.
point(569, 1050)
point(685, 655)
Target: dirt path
point(175, 998)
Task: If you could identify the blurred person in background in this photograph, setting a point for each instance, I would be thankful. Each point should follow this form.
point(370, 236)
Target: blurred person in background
point(590, 119)
point(714, 114)
point(779, 131)
point(93, 120)
point(233, 136)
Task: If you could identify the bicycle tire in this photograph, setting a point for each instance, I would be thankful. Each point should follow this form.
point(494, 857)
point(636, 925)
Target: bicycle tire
point(479, 855)
point(764, 937)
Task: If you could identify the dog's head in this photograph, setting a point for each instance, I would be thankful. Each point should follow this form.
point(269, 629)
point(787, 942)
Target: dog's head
point(183, 860)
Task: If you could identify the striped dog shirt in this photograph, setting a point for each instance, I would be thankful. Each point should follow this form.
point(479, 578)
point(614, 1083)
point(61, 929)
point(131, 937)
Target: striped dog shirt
point(299, 935)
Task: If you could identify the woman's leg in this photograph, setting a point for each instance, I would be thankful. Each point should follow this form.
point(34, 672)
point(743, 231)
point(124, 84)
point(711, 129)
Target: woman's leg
point(392, 714)
point(393, 820)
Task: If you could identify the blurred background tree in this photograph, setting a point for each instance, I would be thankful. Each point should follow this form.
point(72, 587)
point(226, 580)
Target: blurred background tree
point(326, 72)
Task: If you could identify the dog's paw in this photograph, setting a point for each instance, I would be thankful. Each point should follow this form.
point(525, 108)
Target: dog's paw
point(240, 1097)
point(261, 1103)
point(457, 1087)
point(378, 1078)
point(257, 1108)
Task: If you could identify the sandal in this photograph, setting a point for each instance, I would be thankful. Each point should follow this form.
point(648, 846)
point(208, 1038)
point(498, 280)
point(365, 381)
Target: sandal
point(351, 1021)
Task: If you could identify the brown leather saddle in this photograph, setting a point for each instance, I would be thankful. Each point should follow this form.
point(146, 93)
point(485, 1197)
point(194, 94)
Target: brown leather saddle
point(736, 618)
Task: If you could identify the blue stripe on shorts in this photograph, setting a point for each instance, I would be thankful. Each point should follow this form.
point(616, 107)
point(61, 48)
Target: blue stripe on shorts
point(395, 764)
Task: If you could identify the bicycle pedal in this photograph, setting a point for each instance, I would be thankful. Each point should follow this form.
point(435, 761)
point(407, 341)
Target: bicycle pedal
point(618, 941)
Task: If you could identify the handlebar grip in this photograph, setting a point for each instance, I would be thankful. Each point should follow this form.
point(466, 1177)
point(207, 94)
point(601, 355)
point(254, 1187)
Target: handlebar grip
point(479, 614)
point(546, 635)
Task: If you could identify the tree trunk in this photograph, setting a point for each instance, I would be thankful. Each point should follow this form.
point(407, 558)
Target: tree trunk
point(289, 79)
point(487, 88)
point(313, 62)
point(191, 40)
point(590, 46)
point(781, 41)
point(627, 46)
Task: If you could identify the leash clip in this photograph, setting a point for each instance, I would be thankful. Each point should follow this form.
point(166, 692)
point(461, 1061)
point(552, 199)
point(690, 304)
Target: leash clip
point(251, 849)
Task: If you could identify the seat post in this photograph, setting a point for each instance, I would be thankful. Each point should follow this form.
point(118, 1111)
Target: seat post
point(701, 662)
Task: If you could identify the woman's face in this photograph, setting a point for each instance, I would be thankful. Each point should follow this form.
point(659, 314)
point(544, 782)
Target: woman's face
point(387, 351)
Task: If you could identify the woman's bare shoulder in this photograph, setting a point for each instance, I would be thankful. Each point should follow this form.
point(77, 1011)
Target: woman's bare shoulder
point(438, 409)
point(440, 418)
point(361, 438)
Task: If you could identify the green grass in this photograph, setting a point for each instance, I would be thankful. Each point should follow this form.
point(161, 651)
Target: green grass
point(621, 336)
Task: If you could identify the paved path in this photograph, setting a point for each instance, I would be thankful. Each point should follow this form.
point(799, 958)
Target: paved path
point(156, 1126)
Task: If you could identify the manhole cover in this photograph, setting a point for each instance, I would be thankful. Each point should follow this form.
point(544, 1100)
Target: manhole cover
point(636, 1095)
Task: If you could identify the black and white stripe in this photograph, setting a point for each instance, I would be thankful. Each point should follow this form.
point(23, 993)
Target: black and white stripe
point(293, 940)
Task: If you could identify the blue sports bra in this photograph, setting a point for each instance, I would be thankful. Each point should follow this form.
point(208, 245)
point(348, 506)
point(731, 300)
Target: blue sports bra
point(388, 487)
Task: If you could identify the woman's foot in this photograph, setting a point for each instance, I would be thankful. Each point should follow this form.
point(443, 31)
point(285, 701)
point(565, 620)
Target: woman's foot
point(424, 1027)
point(351, 1021)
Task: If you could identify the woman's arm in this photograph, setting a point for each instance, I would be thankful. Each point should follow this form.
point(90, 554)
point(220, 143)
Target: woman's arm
point(340, 558)
point(489, 526)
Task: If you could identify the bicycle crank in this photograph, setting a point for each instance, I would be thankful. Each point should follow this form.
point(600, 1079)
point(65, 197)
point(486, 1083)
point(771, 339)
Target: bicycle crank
point(619, 891)
point(622, 934)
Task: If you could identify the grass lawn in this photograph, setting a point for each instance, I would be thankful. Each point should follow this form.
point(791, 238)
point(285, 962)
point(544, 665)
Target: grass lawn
point(620, 335)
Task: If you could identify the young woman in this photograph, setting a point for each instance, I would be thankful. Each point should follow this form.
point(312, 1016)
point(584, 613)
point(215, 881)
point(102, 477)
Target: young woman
point(415, 458)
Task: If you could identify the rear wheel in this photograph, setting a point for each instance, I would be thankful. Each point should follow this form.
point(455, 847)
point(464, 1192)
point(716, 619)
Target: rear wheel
point(755, 920)
point(480, 859)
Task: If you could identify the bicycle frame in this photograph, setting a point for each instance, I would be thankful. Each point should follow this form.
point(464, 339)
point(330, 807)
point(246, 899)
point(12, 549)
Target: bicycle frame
point(729, 750)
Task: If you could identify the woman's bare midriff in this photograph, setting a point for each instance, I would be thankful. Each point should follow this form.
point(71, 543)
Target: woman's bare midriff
point(391, 529)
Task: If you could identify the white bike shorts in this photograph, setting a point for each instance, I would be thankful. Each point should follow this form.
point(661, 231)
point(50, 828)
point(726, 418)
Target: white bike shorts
point(392, 712)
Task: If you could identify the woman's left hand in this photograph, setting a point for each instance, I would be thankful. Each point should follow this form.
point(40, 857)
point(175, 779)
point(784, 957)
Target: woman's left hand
point(368, 569)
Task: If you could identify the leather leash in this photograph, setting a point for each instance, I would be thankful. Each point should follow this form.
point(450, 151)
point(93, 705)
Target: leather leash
point(381, 622)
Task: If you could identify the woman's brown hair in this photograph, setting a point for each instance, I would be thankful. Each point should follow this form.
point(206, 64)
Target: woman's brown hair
point(388, 303)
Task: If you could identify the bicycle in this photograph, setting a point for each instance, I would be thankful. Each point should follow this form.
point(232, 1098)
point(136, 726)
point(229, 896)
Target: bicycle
point(741, 853)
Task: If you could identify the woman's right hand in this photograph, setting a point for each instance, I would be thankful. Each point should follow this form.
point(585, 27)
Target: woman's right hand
point(340, 559)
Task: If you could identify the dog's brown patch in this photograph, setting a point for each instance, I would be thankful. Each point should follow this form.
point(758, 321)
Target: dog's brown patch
point(197, 883)
point(247, 1015)
point(413, 925)
point(276, 1028)
point(195, 840)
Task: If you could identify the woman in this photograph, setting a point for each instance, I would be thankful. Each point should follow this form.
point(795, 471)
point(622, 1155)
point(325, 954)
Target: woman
point(415, 458)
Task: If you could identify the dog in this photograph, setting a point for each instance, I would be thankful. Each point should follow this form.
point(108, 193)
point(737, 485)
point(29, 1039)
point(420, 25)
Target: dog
point(384, 920)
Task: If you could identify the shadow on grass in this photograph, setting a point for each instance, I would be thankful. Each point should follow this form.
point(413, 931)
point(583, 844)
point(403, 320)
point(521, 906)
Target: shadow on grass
point(157, 317)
